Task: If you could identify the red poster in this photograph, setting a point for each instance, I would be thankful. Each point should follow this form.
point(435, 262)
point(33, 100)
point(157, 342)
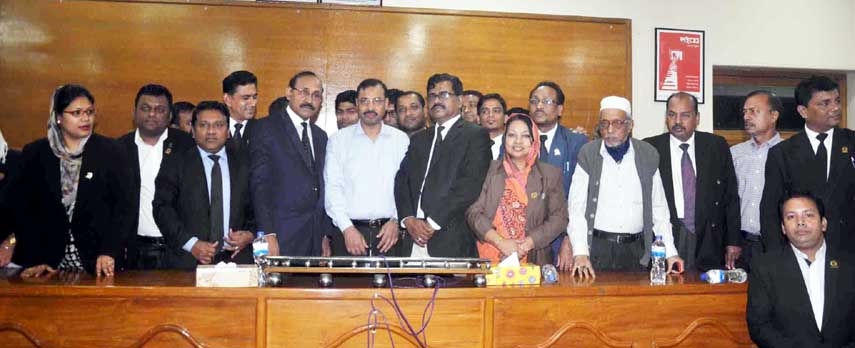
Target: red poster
point(679, 63)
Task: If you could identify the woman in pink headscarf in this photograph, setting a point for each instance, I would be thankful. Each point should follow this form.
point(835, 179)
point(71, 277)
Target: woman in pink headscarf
point(522, 206)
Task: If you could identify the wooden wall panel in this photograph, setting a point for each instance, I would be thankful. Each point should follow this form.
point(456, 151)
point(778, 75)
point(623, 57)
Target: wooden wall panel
point(115, 47)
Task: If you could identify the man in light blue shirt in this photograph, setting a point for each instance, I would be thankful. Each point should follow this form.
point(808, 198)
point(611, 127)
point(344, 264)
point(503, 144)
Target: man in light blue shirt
point(760, 112)
point(362, 160)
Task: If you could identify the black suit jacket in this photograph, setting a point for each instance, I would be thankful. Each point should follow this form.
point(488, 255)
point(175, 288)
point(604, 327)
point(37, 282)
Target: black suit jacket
point(717, 219)
point(779, 312)
point(182, 208)
point(245, 135)
point(790, 168)
point(9, 170)
point(101, 211)
point(176, 142)
point(452, 185)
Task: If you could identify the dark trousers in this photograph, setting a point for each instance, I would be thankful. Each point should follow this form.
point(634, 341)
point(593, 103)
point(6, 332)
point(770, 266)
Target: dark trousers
point(339, 248)
point(608, 255)
point(751, 247)
point(150, 254)
point(687, 246)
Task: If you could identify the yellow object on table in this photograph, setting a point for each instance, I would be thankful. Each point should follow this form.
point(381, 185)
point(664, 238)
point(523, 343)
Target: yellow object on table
point(514, 275)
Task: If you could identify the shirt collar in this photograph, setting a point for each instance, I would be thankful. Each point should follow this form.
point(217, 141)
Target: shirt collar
point(812, 135)
point(232, 122)
point(551, 133)
point(296, 119)
point(769, 143)
point(139, 140)
point(676, 142)
point(360, 131)
point(448, 123)
point(205, 154)
point(820, 253)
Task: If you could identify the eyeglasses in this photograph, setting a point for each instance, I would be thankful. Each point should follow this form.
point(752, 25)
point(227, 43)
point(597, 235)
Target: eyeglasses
point(545, 101)
point(305, 93)
point(444, 95)
point(76, 113)
point(375, 101)
point(617, 124)
point(412, 107)
point(160, 109)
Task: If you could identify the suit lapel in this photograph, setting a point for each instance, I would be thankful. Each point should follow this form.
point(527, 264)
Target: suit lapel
point(793, 279)
point(839, 158)
point(235, 194)
point(197, 170)
point(294, 138)
point(86, 176)
point(830, 285)
point(703, 181)
point(662, 144)
point(558, 142)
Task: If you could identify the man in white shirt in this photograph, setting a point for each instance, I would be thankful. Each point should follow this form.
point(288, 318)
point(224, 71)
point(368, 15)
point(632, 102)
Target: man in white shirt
point(802, 295)
point(362, 160)
point(147, 148)
point(491, 110)
point(617, 203)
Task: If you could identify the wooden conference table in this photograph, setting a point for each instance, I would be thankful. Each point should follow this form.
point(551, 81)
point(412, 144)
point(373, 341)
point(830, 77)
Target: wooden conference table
point(165, 309)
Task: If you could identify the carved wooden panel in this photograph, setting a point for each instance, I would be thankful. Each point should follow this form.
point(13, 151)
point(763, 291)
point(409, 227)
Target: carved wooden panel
point(705, 332)
point(342, 323)
point(134, 322)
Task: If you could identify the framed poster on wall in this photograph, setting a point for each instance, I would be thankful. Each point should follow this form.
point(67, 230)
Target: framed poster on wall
point(679, 63)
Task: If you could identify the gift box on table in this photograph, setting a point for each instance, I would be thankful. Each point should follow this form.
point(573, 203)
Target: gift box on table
point(514, 275)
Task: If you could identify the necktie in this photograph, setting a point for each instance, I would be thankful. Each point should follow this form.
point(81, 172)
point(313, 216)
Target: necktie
point(238, 137)
point(808, 262)
point(305, 140)
point(822, 157)
point(544, 152)
point(216, 211)
point(688, 189)
point(435, 154)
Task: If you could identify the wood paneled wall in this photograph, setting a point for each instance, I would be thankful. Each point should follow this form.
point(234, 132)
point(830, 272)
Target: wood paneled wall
point(114, 48)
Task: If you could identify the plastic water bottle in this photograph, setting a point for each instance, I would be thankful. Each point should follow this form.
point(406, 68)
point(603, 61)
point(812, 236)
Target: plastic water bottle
point(658, 266)
point(716, 276)
point(549, 274)
point(260, 251)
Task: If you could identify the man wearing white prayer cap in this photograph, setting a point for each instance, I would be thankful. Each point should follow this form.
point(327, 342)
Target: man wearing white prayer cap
point(617, 202)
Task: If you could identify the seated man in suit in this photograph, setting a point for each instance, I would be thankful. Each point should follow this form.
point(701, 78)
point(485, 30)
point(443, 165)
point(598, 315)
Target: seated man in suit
point(201, 201)
point(802, 295)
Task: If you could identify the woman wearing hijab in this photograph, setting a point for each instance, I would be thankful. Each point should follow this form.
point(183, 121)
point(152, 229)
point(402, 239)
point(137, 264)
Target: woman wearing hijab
point(70, 205)
point(522, 207)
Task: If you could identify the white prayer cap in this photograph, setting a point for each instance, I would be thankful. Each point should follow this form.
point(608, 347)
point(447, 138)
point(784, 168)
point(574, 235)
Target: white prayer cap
point(614, 102)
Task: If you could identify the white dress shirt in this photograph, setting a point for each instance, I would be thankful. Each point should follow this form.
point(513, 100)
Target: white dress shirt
point(550, 134)
point(298, 125)
point(619, 203)
point(360, 174)
point(497, 146)
point(814, 277)
point(418, 251)
point(232, 124)
point(150, 157)
point(677, 169)
point(208, 165)
point(814, 143)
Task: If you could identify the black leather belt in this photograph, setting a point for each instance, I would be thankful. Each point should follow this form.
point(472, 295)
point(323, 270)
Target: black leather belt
point(151, 240)
point(375, 223)
point(620, 238)
point(750, 236)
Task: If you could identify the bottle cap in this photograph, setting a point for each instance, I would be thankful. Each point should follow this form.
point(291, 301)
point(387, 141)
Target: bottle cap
point(705, 277)
point(259, 234)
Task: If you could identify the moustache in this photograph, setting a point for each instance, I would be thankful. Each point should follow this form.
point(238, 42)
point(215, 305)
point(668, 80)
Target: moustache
point(308, 105)
point(438, 106)
point(678, 128)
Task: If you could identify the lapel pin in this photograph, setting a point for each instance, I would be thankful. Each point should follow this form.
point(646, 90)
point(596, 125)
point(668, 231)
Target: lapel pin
point(833, 264)
point(533, 195)
point(168, 151)
point(557, 152)
point(845, 149)
point(88, 175)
